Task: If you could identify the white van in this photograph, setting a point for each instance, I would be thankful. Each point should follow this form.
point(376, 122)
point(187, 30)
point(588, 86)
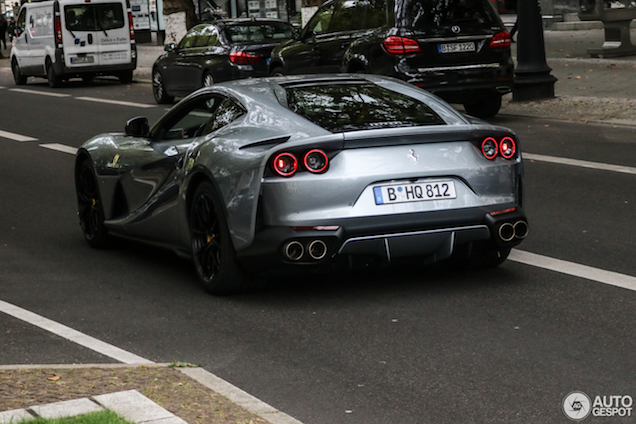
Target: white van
point(62, 39)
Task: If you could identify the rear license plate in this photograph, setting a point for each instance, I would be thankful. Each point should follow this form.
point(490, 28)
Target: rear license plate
point(404, 193)
point(83, 59)
point(456, 47)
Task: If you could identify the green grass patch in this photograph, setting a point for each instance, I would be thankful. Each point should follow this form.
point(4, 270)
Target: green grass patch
point(101, 417)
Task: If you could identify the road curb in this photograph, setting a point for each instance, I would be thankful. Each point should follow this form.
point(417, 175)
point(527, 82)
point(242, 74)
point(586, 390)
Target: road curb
point(120, 402)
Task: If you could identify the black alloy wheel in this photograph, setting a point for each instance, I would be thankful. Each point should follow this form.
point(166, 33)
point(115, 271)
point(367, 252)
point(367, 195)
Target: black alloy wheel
point(208, 79)
point(158, 88)
point(277, 72)
point(212, 249)
point(90, 209)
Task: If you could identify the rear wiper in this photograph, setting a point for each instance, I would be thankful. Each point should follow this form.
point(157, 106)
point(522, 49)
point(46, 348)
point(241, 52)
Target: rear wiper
point(100, 28)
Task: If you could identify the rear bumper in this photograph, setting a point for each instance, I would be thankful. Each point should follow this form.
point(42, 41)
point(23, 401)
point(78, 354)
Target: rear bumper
point(429, 237)
point(465, 83)
point(64, 71)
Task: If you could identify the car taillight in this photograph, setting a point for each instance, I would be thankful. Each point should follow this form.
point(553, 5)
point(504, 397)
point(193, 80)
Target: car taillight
point(316, 161)
point(506, 147)
point(500, 40)
point(489, 148)
point(244, 58)
point(401, 45)
point(130, 25)
point(285, 164)
point(58, 29)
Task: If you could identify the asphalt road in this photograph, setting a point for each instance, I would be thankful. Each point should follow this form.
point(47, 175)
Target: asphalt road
point(400, 346)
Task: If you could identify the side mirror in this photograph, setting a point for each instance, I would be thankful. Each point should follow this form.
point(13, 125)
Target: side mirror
point(296, 33)
point(169, 47)
point(137, 127)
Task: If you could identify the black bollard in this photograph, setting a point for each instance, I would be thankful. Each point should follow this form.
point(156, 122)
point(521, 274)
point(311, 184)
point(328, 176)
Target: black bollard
point(532, 75)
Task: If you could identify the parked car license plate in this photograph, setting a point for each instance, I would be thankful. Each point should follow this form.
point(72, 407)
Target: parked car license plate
point(456, 47)
point(403, 193)
point(83, 59)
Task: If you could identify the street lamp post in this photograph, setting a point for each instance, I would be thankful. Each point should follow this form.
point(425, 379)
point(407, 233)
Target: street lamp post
point(532, 75)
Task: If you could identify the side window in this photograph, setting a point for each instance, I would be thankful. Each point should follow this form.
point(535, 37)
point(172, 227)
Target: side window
point(228, 111)
point(191, 38)
point(319, 23)
point(21, 24)
point(208, 36)
point(198, 117)
point(188, 120)
point(374, 12)
point(346, 17)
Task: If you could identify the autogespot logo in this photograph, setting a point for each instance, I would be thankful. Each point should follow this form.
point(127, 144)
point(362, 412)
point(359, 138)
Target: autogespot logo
point(577, 406)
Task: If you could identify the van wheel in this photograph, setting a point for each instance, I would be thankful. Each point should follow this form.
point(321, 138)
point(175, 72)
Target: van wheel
point(55, 80)
point(158, 88)
point(126, 77)
point(486, 108)
point(18, 77)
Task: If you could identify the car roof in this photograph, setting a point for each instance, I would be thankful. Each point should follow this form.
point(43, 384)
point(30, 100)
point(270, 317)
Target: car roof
point(243, 21)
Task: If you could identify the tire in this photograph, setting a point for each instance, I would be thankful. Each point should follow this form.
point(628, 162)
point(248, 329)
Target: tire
point(18, 77)
point(55, 80)
point(88, 77)
point(159, 90)
point(212, 249)
point(277, 72)
point(488, 258)
point(487, 108)
point(207, 80)
point(126, 77)
point(89, 206)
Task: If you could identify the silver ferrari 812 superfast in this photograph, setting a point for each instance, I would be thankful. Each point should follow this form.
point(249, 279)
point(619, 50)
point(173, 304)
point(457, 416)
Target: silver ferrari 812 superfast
point(258, 177)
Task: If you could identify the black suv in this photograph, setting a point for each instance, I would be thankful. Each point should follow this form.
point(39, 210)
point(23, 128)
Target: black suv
point(457, 49)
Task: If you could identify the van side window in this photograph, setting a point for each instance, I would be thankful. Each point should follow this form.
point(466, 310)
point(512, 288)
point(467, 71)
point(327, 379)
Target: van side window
point(21, 25)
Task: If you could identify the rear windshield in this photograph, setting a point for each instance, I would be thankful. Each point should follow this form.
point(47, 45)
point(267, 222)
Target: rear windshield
point(94, 17)
point(430, 15)
point(273, 32)
point(359, 106)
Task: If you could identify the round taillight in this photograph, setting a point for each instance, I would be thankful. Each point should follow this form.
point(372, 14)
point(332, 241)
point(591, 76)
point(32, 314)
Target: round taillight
point(507, 147)
point(489, 148)
point(316, 161)
point(285, 164)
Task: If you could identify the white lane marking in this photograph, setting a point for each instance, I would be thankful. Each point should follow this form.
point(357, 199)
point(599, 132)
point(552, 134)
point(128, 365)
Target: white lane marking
point(43, 93)
point(60, 148)
point(236, 395)
point(580, 163)
point(570, 268)
point(115, 102)
point(72, 335)
point(16, 137)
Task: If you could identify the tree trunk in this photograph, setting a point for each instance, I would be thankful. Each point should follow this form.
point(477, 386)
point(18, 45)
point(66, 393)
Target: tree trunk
point(179, 16)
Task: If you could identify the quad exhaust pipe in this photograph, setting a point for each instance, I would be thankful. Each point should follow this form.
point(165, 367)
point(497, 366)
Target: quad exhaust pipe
point(509, 231)
point(295, 250)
